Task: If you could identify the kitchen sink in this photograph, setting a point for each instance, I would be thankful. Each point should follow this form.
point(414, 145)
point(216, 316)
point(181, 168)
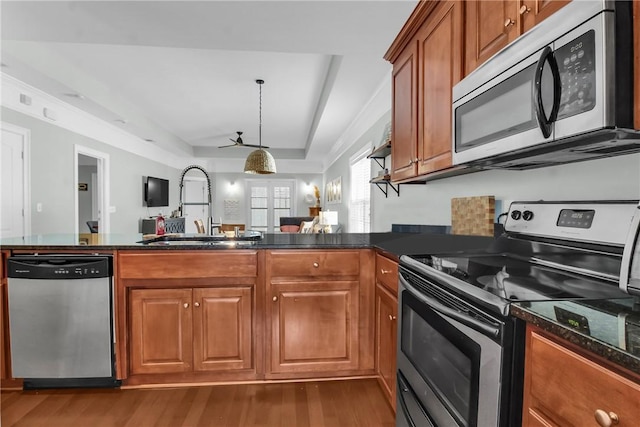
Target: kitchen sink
point(247, 238)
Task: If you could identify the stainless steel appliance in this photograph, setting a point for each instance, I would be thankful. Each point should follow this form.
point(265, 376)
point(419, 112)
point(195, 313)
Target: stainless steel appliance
point(561, 92)
point(630, 270)
point(61, 320)
point(460, 353)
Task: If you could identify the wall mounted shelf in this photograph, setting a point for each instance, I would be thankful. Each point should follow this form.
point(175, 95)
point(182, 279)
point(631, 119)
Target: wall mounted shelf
point(383, 182)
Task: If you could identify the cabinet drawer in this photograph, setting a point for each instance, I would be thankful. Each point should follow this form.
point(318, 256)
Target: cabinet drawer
point(567, 388)
point(313, 263)
point(387, 273)
point(187, 264)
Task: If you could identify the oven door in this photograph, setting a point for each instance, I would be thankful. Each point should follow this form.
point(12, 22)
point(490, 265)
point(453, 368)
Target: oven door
point(445, 358)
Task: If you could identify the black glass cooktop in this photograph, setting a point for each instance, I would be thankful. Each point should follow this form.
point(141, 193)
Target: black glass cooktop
point(516, 280)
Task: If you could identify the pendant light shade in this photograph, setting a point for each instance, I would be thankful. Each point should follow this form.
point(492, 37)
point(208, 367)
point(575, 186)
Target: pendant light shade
point(260, 161)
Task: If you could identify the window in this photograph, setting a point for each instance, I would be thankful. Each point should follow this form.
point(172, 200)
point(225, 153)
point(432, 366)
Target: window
point(268, 201)
point(360, 197)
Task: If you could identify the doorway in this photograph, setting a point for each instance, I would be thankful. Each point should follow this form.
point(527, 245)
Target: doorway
point(92, 189)
point(15, 184)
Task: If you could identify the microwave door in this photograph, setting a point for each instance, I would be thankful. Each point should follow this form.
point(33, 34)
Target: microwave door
point(498, 117)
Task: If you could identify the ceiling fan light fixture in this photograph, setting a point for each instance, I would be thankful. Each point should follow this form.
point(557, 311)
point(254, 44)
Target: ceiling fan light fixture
point(260, 161)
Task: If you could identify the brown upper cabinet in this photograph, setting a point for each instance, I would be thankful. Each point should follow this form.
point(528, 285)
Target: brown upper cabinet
point(491, 25)
point(426, 65)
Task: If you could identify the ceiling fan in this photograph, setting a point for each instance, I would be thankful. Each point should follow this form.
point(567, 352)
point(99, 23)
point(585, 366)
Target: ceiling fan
point(239, 143)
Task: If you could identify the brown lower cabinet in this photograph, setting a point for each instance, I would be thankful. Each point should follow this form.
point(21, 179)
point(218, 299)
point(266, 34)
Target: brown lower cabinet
point(565, 387)
point(386, 338)
point(184, 330)
point(319, 313)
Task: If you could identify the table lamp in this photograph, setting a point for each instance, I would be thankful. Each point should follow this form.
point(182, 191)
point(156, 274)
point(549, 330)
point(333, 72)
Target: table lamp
point(327, 219)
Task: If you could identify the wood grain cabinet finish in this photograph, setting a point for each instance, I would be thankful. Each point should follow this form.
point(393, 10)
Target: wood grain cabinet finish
point(440, 48)
point(386, 341)
point(222, 333)
point(424, 72)
point(184, 330)
point(319, 313)
point(387, 273)
point(491, 25)
point(161, 331)
point(566, 388)
point(404, 115)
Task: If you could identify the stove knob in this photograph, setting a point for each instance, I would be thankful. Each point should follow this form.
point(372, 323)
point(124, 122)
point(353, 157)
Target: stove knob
point(516, 215)
point(527, 215)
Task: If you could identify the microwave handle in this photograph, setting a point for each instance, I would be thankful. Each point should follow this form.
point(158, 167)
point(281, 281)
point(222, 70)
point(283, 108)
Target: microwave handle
point(543, 121)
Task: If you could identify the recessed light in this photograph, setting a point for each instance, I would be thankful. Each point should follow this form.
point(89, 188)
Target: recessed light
point(123, 121)
point(74, 95)
point(150, 140)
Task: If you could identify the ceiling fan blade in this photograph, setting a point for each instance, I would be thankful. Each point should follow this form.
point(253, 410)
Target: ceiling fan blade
point(254, 146)
point(225, 146)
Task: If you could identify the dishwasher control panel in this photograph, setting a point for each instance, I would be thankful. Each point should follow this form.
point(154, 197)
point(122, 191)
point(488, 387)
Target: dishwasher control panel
point(59, 267)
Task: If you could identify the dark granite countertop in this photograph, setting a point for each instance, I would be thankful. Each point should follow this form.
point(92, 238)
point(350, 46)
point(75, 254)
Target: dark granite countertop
point(607, 328)
point(395, 244)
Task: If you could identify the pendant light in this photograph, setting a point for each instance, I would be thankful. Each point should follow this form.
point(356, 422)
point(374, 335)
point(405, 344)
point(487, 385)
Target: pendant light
point(260, 161)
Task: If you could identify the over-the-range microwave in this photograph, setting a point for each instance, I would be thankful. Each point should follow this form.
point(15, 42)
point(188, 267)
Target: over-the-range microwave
point(561, 92)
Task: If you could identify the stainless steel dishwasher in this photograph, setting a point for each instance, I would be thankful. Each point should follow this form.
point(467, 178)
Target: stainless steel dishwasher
point(61, 320)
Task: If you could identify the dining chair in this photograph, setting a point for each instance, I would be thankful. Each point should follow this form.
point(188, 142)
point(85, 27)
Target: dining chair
point(200, 226)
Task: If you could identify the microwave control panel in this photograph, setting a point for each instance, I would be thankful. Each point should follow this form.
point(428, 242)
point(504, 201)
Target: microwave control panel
point(576, 62)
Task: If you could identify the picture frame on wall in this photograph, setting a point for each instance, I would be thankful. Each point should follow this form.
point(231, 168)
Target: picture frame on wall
point(333, 191)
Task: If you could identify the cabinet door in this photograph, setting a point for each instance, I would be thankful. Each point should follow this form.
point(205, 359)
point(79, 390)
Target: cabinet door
point(565, 388)
point(314, 326)
point(222, 328)
point(386, 341)
point(535, 11)
point(404, 115)
point(160, 331)
point(490, 26)
point(440, 52)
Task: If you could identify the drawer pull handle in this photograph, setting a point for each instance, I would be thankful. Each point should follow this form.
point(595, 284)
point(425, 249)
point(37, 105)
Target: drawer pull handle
point(605, 419)
point(383, 271)
point(197, 304)
point(185, 305)
point(316, 265)
point(275, 298)
point(392, 318)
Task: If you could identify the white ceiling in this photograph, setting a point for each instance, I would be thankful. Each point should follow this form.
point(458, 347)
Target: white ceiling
point(182, 73)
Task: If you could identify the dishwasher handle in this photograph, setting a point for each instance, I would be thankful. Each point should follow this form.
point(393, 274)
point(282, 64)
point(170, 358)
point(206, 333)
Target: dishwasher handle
point(59, 267)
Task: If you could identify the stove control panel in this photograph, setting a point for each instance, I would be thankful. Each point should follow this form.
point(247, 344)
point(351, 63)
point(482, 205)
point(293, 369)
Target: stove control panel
point(598, 222)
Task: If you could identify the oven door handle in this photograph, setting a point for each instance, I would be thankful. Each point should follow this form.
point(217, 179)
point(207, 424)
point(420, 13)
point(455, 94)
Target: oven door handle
point(487, 330)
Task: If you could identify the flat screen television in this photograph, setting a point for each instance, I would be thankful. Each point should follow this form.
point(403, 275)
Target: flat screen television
point(156, 192)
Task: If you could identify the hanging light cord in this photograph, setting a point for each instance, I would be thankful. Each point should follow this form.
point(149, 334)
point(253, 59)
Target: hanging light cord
point(260, 82)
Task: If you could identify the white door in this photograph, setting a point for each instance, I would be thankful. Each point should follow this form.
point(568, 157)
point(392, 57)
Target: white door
point(13, 182)
point(194, 191)
point(268, 201)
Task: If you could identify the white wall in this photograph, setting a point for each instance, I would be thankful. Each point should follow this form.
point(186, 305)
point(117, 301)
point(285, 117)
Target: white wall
point(430, 203)
point(52, 177)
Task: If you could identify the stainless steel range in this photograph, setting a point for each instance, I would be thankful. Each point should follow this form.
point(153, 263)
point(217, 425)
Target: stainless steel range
point(460, 354)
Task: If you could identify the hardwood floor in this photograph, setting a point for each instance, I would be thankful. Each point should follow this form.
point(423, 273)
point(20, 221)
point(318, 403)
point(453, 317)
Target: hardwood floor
point(349, 403)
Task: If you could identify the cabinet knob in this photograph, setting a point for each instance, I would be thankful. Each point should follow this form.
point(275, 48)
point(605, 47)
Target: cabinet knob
point(509, 23)
point(275, 298)
point(197, 304)
point(392, 318)
point(524, 9)
point(316, 265)
point(605, 419)
point(185, 305)
point(383, 271)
